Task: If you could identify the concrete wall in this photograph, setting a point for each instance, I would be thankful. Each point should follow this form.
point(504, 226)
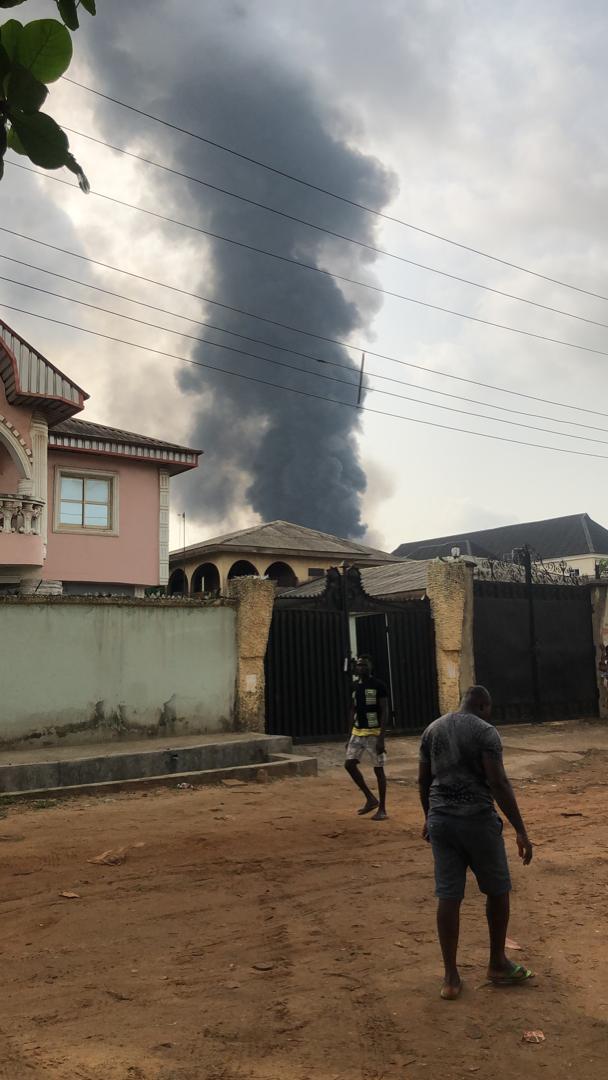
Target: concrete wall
point(450, 591)
point(89, 670)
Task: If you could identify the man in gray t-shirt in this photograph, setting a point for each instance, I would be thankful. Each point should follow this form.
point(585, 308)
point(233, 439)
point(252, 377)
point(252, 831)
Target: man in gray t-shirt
point(461, 774)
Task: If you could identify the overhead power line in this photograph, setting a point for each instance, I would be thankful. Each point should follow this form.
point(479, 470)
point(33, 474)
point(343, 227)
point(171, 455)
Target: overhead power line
point(319, 270)
point(260, 341)
point(337, 235)
point(303, 371)
point(303, 393)
point(335, 195)
point(299, 330)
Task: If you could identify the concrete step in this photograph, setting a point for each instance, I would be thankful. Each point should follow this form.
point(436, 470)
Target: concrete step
point(116, 767)
point(277, 767)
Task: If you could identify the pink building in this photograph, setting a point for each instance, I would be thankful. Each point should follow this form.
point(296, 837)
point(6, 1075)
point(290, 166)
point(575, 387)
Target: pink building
point(84, 508)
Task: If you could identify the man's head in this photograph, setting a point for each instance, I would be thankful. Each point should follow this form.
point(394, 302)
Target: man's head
point(363, 666)
point(477, 700)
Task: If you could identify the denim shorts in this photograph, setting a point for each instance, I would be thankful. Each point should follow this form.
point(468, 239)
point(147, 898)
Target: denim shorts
point(475, 840)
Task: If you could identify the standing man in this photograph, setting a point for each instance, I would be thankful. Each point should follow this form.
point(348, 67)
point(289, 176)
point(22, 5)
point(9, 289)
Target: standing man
point(461, 774)
point(369, 719)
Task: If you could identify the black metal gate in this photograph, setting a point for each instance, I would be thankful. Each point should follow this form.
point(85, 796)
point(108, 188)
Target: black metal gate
point(307, 686)
point(308, 679)
point(534, 649)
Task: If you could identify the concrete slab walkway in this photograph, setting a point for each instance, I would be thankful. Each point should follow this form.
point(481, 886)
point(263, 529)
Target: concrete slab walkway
point(133, 764)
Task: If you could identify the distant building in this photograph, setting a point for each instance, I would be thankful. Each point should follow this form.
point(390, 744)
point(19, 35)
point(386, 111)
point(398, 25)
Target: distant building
point(288, 554)
point(83, 507)
point(403, 579)
point(576, 540)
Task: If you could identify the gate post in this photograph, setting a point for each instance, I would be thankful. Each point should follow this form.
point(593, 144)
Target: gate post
point(599, 607)
point(255, 601)
point(450, 591)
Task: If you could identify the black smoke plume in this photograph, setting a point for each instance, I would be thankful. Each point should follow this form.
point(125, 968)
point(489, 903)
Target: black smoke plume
point(221, 69)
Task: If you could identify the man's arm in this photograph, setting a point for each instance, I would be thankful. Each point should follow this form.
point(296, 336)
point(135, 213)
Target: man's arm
point(501, 789)
point(383, 717)
point(425, 778)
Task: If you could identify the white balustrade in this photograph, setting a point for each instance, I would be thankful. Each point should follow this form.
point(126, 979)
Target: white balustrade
point(20, 514)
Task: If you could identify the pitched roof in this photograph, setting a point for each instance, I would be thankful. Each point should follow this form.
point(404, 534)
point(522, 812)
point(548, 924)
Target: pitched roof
point(30, 379)
point(87, 437)
point(286, 538)
point(390, 580)
point(554, 538)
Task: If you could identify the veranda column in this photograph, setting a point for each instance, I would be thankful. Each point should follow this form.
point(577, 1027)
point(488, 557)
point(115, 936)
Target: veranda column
point(40, 469)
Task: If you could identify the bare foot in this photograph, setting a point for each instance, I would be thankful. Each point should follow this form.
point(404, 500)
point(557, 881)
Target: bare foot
point(370, 805)
point(451, 990)
point(380, 815)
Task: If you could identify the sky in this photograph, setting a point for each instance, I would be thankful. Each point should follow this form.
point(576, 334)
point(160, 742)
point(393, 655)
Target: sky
point(480, 122)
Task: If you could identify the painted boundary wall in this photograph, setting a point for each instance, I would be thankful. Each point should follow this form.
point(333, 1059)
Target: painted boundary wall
point(76, 670)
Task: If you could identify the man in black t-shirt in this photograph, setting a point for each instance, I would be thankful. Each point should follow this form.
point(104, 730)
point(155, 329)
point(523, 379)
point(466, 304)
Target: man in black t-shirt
point(369, 717)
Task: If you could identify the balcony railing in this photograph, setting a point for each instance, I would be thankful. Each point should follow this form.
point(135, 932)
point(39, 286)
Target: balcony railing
point(20, 514)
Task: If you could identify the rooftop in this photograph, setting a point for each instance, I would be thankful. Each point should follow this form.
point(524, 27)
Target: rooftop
point(286, 538)
point(30, 379)
point(85, 436)
point(553, 538)
point(391, 580)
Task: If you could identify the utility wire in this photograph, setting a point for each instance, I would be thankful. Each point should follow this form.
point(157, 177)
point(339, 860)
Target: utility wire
point(299, 330)
point(318, 269)
point(337, 235)
point(302, 393)
point(303, 371)
point(268, 344)
point(335, 195)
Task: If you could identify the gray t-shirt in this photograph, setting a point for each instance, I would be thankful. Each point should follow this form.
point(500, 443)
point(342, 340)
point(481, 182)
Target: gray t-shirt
point(453, 746)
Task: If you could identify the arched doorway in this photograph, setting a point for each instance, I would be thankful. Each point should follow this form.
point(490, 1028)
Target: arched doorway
point(178, 584)
point(242, 568)
point(282, 575)
point(206, 579)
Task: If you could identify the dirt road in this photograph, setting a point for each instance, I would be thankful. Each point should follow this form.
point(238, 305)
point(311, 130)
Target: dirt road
point(264, 932)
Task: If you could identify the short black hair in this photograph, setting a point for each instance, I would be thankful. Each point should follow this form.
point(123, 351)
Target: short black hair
point(475, 698)
point(365, 656)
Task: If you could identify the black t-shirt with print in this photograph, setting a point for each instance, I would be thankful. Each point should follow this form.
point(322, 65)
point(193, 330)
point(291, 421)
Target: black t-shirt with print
point(367, 694)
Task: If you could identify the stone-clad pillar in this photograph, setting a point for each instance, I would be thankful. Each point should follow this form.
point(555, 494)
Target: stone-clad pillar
point(40, 442)
point(255, 600)
point(450, 591)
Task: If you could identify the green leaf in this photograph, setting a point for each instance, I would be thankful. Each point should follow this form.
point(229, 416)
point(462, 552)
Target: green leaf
point(42, 139)
point(88, 5)
point(14, 142)
point(45, 48)
point(74, 167)
point(5, 64)
point(23, 91)
point(68, 12)
point(10, 34)
point(10, 3)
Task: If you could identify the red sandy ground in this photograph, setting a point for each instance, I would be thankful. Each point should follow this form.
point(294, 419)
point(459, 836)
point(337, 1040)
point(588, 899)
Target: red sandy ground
point(151, 973)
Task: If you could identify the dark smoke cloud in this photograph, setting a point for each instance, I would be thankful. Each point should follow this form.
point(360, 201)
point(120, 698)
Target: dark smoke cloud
point(223, 72)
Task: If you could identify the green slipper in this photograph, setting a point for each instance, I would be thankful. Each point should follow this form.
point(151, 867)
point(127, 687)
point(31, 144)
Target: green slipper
point(518, 974)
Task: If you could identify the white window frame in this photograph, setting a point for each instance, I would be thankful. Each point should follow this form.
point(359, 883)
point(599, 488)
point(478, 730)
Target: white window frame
point(86, 474)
